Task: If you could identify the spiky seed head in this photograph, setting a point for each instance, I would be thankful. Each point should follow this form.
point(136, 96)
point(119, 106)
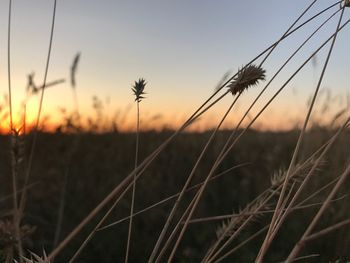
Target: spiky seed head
point(36, 259)
point(138, 89)
point(231, 225)
point(246, 77)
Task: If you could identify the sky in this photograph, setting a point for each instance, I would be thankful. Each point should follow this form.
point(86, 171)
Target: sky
point(182, 48)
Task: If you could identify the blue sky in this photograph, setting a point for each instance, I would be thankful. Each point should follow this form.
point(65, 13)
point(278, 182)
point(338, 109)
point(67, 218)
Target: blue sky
point(181, 47)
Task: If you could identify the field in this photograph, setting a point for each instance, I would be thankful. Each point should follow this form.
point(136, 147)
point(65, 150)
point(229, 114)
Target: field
point(101, 161)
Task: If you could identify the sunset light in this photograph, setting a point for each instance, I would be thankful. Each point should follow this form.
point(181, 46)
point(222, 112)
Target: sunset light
point(174, 131)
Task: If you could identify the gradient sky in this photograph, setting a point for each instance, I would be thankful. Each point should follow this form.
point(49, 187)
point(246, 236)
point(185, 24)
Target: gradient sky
point(182, 48)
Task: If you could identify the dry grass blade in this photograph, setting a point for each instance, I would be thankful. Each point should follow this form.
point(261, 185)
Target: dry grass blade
point(215, 250)
point(236, 224)
point(119, 188)
point(188, 180)
point(327, 230)
point(279, 206)
point(138, 90)
point(303, 258)
point(171, 197)
point(174, 232)
point(14, 135)
point(307, 178)
point(268, 84)
point(228, 228)
point(242, 244)
point(317, 217)
point(297, 207)
point(276, 94)
point(32, 151)
point(278, 73)
point(244, 80)
point(89, 237)
point(9, 63)
point(277, 181)
point(17, 153)
point(73, 149)
point(197, 113)
point(231, 216)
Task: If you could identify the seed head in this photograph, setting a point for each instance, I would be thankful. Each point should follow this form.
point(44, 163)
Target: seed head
point(34, 258)
point(31, 87)
point(17, 146)
point(246, 77)
point(138, 88)
point(73, 69)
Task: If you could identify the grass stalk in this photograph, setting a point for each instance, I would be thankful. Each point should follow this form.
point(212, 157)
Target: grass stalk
point(297, 207)
point(9, 63)
point(119, 188)
point(165, 200)
point(174, 232)
point(273, 192)
point(307, 178)
point(275, 217)
point(242, 244)
point(74, 148)
point(263, 212)
point(35, 135)
point(266, 105)
point(317, 217)
point(188, 181)
point(98, 226)
point(133, 183)
point(327, 230)
point(13, 135)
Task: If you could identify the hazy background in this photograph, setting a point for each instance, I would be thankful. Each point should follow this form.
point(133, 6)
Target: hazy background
point(182, 48)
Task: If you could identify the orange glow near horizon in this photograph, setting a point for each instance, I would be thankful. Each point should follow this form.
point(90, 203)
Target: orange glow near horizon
point(171, 122)
point(178, 54)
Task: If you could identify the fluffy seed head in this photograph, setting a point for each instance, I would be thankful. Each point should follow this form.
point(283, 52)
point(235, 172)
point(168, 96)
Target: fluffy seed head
point(138, 89)
point(246, 77)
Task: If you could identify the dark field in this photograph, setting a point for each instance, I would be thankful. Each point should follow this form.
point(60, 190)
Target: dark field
point(95, 164)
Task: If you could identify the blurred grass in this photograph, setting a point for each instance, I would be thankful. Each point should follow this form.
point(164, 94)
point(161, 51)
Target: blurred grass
point(101, 161)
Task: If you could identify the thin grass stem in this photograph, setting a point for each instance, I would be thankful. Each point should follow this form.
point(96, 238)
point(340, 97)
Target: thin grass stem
point(119, 188)
point(317, 217)
point(134, 183)
point(165, 200)
point(189, 179)
point(32, 151)
point(275, 217)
